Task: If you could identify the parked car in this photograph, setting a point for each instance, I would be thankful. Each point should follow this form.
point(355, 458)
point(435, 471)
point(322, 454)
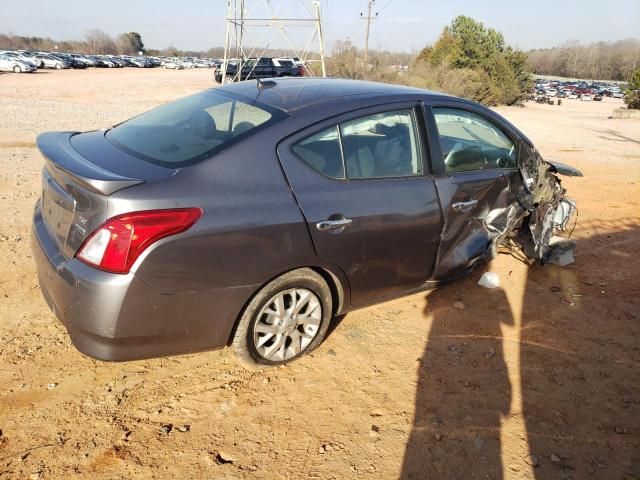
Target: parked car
point(89, 62)
point(586, 97)
point(246, 215)
point(52, 61)
point(22, 58)
point(172, 63)
point(597, 97)
point(73, 62)
point(102, 61)
point(253, 68)
point(16, 65)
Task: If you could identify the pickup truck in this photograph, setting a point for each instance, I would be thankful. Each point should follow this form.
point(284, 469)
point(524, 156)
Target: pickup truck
point(253, 68)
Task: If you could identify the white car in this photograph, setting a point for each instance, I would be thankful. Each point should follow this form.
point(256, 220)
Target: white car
point(572, 95)
point(17, 65)
point(618, 94)
point(175, 64)
point(585, 97)
point(28, 59)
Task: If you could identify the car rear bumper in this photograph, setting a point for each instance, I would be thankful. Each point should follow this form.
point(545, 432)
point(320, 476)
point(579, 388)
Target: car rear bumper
point(120, 317)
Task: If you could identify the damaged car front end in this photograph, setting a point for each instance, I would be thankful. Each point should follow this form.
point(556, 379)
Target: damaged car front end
point(495, 190)
point(541, 211)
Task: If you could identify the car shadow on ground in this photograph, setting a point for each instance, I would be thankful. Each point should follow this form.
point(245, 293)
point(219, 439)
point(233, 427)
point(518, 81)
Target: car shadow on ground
point(542, 384)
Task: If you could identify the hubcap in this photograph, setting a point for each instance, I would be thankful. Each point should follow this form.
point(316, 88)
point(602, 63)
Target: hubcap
point(287, 324)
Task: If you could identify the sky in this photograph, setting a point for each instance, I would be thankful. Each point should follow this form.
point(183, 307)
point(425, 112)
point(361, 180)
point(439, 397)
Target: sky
point(401, 25)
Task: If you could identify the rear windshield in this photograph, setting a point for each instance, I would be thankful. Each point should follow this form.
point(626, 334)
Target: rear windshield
point(191, 129)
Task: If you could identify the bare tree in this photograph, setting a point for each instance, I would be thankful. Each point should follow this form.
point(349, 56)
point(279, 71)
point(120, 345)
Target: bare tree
point(99, 42)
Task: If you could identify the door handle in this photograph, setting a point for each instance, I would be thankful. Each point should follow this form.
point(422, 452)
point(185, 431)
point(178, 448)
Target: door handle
point(464, 206)
point(334, 225)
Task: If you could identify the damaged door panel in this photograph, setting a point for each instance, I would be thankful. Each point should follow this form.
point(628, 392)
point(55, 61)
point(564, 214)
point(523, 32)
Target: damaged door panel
point(476, 206)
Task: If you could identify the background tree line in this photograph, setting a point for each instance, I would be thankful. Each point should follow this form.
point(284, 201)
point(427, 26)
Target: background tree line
point(598, 61)
point(95, 42)
point(468, 60)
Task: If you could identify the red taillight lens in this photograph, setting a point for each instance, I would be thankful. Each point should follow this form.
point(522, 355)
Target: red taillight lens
point(116, 245)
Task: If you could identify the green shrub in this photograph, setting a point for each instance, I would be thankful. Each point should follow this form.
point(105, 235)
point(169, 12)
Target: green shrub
point(632, 93)
point(472, 61)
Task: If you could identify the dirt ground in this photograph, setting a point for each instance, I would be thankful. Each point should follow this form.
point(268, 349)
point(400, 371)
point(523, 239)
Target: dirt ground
point(538, 379)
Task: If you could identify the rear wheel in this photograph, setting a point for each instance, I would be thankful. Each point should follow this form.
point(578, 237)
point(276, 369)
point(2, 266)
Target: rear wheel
point(227, 79)
point(286, 319)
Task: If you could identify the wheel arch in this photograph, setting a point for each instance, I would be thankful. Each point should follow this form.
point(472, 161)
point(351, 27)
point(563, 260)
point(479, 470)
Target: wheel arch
point(337, 283)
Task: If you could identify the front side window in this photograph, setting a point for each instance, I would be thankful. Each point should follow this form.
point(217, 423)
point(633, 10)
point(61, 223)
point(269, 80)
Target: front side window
point(191, 129)
point(470, 142)
point(384, 145)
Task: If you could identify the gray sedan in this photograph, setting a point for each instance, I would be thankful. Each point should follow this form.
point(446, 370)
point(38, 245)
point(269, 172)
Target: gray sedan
point(251, 214)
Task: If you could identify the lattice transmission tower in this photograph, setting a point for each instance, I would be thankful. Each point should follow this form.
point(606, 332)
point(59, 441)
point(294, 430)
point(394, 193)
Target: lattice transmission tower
point(252, 26)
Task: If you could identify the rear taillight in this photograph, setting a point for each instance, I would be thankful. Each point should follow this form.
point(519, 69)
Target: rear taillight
point(116, 245)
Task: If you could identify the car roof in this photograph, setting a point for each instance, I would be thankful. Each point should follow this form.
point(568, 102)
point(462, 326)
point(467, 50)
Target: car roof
point(291, 94)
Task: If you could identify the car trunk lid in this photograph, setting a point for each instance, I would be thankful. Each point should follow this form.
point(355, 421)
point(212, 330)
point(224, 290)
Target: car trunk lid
point(76, 190)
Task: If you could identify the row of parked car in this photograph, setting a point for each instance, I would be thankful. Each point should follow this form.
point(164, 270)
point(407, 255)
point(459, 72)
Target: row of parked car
point(24, 61)
point(583, 90)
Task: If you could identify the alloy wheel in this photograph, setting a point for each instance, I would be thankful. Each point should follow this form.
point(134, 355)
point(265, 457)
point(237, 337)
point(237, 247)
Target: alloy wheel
point(287, 324)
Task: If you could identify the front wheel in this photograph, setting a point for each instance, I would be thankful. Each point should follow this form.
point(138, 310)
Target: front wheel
point(17, 69)
point(58, 66)
point(286, 319)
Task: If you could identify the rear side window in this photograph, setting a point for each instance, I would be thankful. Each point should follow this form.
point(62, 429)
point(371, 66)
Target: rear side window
point(322, 152)
point(191, 129)
point(381, 145)
point(470, 142)
point(384, 145)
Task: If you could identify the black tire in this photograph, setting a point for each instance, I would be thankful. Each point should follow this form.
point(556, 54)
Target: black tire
point(304, 278)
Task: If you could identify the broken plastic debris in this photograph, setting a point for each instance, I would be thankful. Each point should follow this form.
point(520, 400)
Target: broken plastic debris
point(563, 213)
point(561, 251)
point(489, 280)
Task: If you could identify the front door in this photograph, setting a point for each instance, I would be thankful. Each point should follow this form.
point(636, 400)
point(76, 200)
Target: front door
point(371, 209)
point(478, 184)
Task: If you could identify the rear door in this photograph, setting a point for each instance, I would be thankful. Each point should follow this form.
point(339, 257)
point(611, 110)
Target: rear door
point(371, 205)
point(476, 160)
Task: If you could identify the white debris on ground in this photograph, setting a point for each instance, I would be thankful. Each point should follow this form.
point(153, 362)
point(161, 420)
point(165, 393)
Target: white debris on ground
point(489, 280)
point(561, 251)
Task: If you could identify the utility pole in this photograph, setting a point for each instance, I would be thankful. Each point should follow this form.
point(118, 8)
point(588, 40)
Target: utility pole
point(368, 18)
